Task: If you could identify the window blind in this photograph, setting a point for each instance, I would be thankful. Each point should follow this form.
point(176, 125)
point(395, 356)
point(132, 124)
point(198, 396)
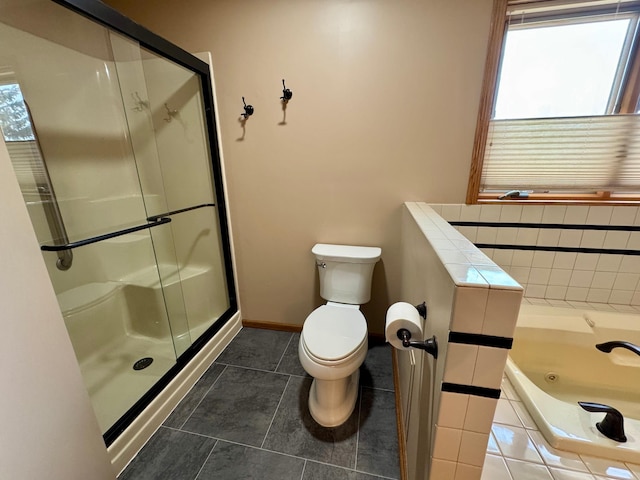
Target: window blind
point(577, 154)
point(27, 164)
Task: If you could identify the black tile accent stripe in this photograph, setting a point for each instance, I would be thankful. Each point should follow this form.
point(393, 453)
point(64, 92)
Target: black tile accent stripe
point(547, 248)
point(471, 390)
point(561, 226)
point(479, 339)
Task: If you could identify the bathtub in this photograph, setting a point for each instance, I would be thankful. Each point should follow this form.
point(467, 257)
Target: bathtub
point(554, 364)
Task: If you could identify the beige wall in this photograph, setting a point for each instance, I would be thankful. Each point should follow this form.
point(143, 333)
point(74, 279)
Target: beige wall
point(48, 427)
point(385, 96)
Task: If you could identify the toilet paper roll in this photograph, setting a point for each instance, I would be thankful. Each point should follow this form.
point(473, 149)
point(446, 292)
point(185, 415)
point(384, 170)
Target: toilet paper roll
point(402, 315)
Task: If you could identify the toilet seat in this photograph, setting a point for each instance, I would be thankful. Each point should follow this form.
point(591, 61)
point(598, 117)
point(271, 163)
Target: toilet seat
point(333, 332)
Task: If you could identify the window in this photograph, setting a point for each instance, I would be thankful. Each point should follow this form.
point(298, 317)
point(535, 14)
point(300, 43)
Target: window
point(19, 136)
point(558, 117)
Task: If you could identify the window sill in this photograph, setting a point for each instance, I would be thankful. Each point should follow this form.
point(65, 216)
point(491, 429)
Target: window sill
point(601, 198)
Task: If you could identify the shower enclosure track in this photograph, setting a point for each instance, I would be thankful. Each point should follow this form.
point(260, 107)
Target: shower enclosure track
point(155, 220)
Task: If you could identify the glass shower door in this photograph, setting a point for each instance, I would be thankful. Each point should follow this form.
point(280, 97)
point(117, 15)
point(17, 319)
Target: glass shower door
point(121, 294)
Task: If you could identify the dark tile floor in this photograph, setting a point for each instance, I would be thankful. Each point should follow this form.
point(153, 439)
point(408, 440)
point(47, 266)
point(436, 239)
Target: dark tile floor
point(247, 418)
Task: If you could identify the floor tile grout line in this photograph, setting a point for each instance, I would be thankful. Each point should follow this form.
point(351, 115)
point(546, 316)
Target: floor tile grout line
point(218, 439)
point(203, 396)
point(304, 467)
point(284, 352)
point(253, 368)
point(358, 430)
point(275, 412)
point(206, 460)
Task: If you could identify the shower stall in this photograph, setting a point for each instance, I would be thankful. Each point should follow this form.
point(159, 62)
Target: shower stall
point(111, 133)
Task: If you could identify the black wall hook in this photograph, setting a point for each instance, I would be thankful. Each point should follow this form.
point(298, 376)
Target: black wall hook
point(286, 93)
point(248, 109)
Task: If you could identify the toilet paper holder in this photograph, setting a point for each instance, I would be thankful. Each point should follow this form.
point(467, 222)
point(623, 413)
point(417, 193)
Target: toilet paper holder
point(430, 345)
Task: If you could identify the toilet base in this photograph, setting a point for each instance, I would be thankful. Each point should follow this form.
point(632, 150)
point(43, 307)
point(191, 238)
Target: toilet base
point(331, 402)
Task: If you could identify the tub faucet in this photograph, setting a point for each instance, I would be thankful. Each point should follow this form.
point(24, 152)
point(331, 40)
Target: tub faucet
point(608, 346)
point(612, 426)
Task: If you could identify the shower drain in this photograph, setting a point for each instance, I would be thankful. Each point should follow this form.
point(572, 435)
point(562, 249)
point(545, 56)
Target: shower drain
point(552, 377)
point(143, 363)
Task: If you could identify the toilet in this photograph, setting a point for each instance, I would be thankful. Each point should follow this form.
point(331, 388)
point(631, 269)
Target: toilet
point(333, 343)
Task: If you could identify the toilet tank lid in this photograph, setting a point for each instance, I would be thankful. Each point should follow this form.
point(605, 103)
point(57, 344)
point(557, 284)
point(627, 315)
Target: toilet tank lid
point(346, 253)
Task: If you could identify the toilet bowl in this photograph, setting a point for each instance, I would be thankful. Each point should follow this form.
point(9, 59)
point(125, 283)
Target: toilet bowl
point(333, 345)
point(333, 342)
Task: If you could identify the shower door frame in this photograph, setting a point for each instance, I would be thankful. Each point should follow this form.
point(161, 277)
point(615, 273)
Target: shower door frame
point(110, 18)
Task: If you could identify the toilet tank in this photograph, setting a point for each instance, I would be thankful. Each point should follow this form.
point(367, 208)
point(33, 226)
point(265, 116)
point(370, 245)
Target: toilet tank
point(345, 272)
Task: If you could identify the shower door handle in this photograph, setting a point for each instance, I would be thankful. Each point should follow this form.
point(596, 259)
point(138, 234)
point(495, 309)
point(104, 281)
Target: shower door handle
point(100, 238)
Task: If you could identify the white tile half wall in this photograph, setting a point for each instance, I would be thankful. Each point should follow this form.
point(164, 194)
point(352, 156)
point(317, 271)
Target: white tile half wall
point(584, 253)
point(472, 309)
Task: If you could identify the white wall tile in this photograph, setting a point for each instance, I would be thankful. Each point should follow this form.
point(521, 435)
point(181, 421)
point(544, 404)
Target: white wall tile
point(451, 213)
point(460, 363)
point(498, 278)
point(560, 277)
point(531, 213)
point(501, 313)
point(586, 261)
point(443, 469)
point(473, 448)
point(576, 215)
point(502, 257)
point(466, 275)
point(539, 276)
point(599, 215)
point(519, 274)
point(527, 236)
point(479, 415)
point(506, 236)
point(549, 237)
point(453, 408)
point(468, 472)
point(554, 214)
point(543, 259)
point(616, 239)
point(489, 367)
point(486, 235)
point(603, 280)
point(511, 213)
point(626, 281)
point(630, 264)
point(577, 294)
point(468, 310)
point(471, 213)
point(591, 239)
point(621, 297)
point(470, 233)
point(567, 260)
point(505, 414)
point(572, 238)
point(634, 241)
point(555, 292)
point(623, 215)
point(522, 258)
point(581, 278)
point(598, 295)
point(609, 263)
point(535, 291)
point(447, 443)
point(490, 213)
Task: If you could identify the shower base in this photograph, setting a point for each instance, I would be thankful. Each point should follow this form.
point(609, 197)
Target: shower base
point(112, 325)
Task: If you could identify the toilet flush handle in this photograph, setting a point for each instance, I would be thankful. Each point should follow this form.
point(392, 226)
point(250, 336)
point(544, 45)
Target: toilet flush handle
point(321, 265)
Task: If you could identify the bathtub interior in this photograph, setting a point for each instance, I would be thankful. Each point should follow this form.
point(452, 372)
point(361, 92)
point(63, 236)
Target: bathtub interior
point(554, 364)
